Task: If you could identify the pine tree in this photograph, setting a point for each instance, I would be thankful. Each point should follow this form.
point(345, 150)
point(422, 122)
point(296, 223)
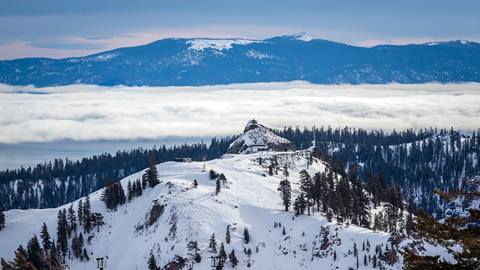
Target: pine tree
point(21, 262)
point(246, 236)
point(329, 215)
point(152, 264)
point(2, 219)
point(212, 244)
point(87, 215)
point(300, 204)
point(62, 237)
point(192, 247)
point(75, 246)
point(85, 254)
point(285, 189)
point(227, 235)
point(34, 253)
point(97, 220)
point(270, 169)
point(45, 236)
point(152, 175)
point(72, 220)
point(212, 174)
point(80, 212)
point(217, 186)
point(81, 242)
point(222, 255)
point(144, 181)
point(232, 258)
point(113, 195)
point(285, 193)
point(129, 191)
point(409, 226)
point(223, 179)
point(5, 265)
point(139, 188)
point(306, 183)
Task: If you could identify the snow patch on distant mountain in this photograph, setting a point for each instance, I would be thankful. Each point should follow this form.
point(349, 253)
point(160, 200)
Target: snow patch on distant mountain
point(258, 55)
point(217, 44)
point(302, 36)
point(460, 41)
point(107, 56)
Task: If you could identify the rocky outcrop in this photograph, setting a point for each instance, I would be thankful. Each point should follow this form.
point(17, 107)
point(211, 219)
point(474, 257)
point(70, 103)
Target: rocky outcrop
point(257, 137)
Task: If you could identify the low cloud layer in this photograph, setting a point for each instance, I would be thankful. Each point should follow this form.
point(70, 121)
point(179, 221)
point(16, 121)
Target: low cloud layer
point(85, 112)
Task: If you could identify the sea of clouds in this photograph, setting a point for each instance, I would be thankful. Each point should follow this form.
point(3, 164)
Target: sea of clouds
point(87, 112)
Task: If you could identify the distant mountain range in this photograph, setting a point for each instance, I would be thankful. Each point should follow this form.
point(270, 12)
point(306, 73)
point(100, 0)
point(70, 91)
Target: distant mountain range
point(175, 61)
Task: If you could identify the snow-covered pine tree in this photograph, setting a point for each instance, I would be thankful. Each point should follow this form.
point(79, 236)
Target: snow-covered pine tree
point(221, 253)
point(152, 175)
point(212, 244)
point(285, 193)
point(246, 236)
point(233, 258)
point(152, 264)
point(192, 247)
point(227, 235)
point(217, 186)
point(212, 174)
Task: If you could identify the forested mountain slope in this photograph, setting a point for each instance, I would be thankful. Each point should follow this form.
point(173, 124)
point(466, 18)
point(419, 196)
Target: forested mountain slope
point(173, 219)
point(200, 61)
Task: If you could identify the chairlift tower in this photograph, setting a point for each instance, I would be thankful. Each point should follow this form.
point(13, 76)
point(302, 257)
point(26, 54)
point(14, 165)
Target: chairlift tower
point(314, 144)
point(102, 263)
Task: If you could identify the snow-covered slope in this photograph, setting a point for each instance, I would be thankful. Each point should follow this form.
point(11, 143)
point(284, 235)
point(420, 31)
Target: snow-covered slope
point(248, 199)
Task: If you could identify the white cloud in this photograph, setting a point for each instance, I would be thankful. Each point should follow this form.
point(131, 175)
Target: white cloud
point(86, 112)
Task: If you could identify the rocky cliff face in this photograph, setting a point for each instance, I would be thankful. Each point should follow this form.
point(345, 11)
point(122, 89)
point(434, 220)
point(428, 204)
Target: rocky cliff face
point(257, 137)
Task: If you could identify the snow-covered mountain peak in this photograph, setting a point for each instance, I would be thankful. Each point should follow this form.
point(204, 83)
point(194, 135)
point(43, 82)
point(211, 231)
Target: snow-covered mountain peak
point(201, 44)
point(257, 137)
point(302, 36)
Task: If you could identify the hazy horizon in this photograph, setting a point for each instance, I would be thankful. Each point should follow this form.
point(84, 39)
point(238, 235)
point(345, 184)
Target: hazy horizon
point(51, 28)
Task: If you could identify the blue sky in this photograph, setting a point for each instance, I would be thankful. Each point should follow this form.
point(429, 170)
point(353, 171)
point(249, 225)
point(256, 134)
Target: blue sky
point(61, 28)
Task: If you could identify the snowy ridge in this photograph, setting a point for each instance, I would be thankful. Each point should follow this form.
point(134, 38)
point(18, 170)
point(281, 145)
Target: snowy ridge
point(303, 36)
point(217, 44)
point(283, 58)
point(248, 199)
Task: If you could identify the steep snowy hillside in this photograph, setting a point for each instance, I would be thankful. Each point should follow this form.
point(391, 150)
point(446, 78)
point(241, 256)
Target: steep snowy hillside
point(248, 199)
point(201, 61)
